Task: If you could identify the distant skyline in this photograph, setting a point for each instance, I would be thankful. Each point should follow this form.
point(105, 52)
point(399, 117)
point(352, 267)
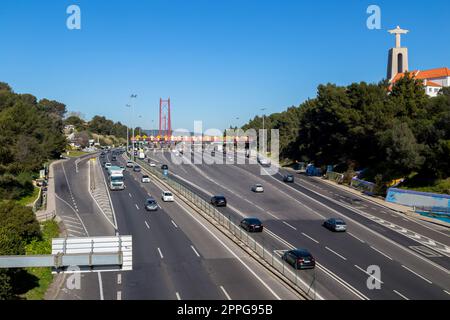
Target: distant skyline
point(216, 60)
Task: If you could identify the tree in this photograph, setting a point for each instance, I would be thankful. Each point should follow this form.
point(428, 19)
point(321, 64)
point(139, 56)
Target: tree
point(18, 220)
point(53, 107)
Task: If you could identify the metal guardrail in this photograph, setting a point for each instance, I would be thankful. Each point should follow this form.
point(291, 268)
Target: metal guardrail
point(268, 255)
point(334, 176)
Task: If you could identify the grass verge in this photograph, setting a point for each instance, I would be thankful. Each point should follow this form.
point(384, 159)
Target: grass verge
point(44, 276)
point(25, 201)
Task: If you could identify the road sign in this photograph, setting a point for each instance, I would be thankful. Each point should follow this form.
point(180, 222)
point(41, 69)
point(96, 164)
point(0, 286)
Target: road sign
point(98, 248)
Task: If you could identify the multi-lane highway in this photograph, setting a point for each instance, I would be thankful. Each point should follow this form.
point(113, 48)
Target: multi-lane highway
point(411, 255)
point(176, 254)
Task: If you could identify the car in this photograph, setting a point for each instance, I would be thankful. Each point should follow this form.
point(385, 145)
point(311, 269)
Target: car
point(152, 164)
point(103, 163)
point(219, 201)
point(258, 188)
point(335, 224)
point(114, 158)
point(213, 153)
point(151, 205)
point(137, 168)
point(108, 165)
point(130, 164)
point(299, 259)
point(145, 179)
point(252, 225)
point(288, 178)
point(164, 167)
point(167, 196)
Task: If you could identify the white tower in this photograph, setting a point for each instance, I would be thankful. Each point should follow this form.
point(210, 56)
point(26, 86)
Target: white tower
point(398, 56)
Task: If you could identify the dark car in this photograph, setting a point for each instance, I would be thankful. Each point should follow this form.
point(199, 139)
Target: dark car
point(164, 167)
point(288, 178)
point(299, 259)
point(151, 205)
point(213, 153)
point(252, 225)
point(334, 224)
point(219, 201)
point(137, 169)
point(114, 158)
point(103, 163)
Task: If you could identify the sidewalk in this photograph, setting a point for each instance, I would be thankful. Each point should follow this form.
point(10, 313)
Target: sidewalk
point(393, 206)
point(50, 211)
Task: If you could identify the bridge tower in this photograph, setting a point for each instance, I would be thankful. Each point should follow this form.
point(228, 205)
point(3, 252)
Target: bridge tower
point(165, 123)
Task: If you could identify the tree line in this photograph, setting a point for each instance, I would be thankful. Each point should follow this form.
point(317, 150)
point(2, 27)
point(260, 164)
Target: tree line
point(390, 131)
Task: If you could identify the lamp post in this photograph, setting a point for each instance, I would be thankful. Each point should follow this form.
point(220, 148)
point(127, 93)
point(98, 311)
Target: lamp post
point(133, 96)
point(264, 133)
point(128, 135)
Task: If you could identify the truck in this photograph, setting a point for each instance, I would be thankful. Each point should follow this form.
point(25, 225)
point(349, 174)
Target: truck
point(115, 177)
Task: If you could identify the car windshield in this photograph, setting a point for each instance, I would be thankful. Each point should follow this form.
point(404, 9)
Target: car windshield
point(150, 201)
point(340, 222)
point(301, 253)
point(220, 198)
point(144, 177)
point(168, 194)
point(254, 221)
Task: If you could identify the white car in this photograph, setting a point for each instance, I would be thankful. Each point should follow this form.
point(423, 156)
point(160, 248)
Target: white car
point(167, 196)
point(152, 164)
point(130, 164)
point(258, 188)
point(108, 165)
point(145, 179)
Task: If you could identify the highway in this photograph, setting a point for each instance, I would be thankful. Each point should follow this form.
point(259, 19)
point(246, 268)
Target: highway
point(293, 215)
point(176, 254)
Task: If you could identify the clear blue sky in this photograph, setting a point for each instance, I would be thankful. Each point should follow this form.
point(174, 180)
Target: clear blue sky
point(216, 59)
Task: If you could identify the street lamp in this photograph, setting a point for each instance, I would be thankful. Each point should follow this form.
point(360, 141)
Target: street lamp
point(128, 138)
point(264, 133)
point(133, 96)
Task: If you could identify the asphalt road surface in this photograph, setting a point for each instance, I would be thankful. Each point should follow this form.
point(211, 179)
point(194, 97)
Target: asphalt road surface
point(293, 215)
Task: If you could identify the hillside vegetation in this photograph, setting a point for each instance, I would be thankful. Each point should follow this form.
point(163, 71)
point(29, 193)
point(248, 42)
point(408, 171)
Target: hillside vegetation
point(392, 134)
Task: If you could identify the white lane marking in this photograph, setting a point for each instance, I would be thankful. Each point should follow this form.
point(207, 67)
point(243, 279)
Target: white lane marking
point(178, 295)
point(290, 226)
point(159, 206)
point(352, 235)
point(79, 218)
point(312, 239)
point(339, 255)
point(236, 256)
point(195, 251)
point(160, 253)
point(382, 253)
point(130, 195)
point(148, 227)
point(412, 271)
point(119, 295)
point(370, 275)
point(447, 292)
point(360, 224)
point(225, 292)
point(137, 206)
point(100, 285)
point(401, 295)
point(174, 224)
point(119, 278)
